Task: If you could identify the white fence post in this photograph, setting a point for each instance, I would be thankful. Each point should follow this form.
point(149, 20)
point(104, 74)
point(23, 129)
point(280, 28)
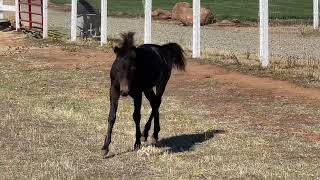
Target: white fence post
point(264, 32)
point(17, 5)
point(196, 53)
point(315, 14)
point(45, 19)
point(104, 22)
point(74, 20)
point(147, 21)
point(1, 13)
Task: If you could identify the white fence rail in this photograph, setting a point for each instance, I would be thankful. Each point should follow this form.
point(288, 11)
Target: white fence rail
point(196, 48)
point(315, 14)
point(104, 24)
point(74, 20)
point(1, 7)
point(45, 19)
point(148, 21)
point(264, 32)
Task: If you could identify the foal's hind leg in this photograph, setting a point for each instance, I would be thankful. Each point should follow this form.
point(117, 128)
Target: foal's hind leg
point(147, 128)
point(159, 92)
point(150, 95)
point(155, 102)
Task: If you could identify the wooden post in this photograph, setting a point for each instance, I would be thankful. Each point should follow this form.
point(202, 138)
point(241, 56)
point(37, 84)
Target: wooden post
point(147, 21)
point(196, 49)
point(45, 19)
point(74, 20)
point(315, 14)
point(264, 32)
point(104, 22)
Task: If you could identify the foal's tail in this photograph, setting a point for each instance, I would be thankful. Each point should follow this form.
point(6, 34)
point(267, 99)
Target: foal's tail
point(176, 55)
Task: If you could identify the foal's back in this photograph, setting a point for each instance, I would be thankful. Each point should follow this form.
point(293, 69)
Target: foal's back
point(151, 64)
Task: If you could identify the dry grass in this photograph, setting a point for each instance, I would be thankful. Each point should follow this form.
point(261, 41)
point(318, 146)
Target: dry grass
point(304, 72)
point(308, 32)
point(53, 123)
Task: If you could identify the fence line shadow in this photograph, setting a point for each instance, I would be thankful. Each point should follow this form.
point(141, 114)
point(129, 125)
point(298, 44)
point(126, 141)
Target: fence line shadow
point(185, 142)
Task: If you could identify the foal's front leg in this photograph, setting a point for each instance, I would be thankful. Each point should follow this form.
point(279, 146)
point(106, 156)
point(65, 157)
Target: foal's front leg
point(114, 98)
point(137, 117)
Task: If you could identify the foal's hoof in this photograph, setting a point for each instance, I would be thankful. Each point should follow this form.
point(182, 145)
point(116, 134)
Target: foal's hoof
point(154, 141)
point(144, 139)
point(136, 146)
point(105, 153)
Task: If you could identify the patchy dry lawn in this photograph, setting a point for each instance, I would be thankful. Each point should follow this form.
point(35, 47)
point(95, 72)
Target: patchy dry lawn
point(54, 106)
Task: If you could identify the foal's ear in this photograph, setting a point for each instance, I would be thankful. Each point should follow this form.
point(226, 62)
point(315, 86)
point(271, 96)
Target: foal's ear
point(116, 49)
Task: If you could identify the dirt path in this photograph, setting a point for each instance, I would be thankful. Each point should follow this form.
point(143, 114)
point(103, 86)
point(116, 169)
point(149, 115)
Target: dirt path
point(242, 81)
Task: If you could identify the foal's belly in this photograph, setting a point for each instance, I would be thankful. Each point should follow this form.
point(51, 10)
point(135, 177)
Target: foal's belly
point(146, 82)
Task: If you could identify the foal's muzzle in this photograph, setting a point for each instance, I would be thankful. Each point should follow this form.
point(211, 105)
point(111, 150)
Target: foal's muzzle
point(124, 88)
point(124, 93)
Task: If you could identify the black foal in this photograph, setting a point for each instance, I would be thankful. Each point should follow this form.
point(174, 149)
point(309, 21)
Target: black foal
point(137, 70)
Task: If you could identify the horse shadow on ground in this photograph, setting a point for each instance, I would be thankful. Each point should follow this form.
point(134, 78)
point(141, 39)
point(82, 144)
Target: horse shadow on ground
point(185, 142)
point(180, 143)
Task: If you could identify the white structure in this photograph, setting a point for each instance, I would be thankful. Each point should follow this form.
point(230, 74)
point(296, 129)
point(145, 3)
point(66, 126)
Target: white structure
point(16, 10)
point(74, 20)
point(104, 22)
point(10, 8)
point(5, 8)
point(264, 32)
point(196, 48)
point(1, 7)
point(45, 19)
point(147, 21)
point(103, 26)
point(315, 14)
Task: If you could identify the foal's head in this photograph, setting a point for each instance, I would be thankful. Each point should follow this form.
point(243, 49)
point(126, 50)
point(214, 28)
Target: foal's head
point(124, 64)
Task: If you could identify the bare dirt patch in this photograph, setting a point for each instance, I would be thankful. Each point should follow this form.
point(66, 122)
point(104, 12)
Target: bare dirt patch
point(61, 58)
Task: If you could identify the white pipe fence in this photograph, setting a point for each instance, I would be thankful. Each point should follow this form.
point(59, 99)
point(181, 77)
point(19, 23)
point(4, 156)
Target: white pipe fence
point(1, 13)
point(148, 21)
point(196, 39)
point(196, 49)
point(264, 32)
point(315, 14)
point(196, 35)
point(74, 20)
point(45, 19)
point(104, 24)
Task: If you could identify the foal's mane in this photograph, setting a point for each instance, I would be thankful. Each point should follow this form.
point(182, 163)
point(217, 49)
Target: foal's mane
point(127, 41)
